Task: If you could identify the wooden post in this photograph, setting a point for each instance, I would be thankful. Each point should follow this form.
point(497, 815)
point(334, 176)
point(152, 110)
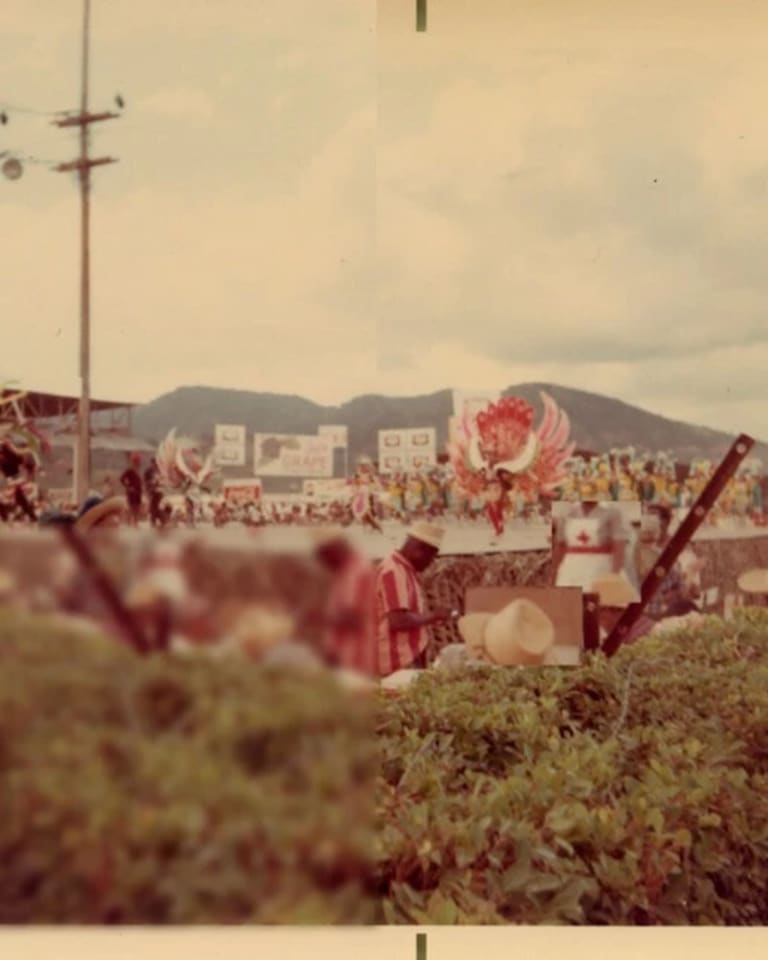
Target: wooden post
point(88, 562)
point(421, 16)
point(591, 621)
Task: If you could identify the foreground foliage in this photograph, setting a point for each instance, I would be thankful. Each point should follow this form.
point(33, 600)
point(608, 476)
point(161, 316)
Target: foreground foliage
point(157, 791)
point(630, 791)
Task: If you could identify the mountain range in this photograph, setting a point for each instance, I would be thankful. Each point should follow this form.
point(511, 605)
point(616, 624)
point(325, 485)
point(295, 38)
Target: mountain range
point(598, 423)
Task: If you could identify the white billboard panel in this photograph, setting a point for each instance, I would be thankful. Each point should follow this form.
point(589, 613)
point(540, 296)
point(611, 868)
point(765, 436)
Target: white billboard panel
point(229, 445)
point(337, 434)
point(292, 455)
point(407, 450)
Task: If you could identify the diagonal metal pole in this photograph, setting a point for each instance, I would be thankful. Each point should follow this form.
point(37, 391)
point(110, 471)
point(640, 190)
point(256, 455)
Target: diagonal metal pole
point(730, 464)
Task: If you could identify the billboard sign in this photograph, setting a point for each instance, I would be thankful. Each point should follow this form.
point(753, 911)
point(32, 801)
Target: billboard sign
point(229, 445)
point(242, 491)
point(292, 455)
point(338, 435)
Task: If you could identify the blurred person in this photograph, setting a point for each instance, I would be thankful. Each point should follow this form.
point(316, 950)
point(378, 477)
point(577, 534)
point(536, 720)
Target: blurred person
point(131, 482)
point(588, 542)
point(154, 493)
point(402, 611)
point(655, 535)
point(349, 617)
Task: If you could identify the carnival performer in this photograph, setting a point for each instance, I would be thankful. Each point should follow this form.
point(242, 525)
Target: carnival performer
point(501, 447)
point(364, 506)
point(180, 470)
point(21, 444)
point(154, 493)
point(588, 543)
point(495, 508)
point(131, 483)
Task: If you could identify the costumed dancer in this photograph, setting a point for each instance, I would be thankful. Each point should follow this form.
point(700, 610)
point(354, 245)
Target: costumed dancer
point(179, 468)
point(364, 506)
point(499, 448)
point(21, 447)
point(131, 483)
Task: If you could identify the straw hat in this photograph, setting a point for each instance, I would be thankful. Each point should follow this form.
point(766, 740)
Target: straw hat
point(754, 581)
point(615, 590)
point(521, 633)
point(8, 584)
point(259, 628)
point(96, 515)
point(429, 533)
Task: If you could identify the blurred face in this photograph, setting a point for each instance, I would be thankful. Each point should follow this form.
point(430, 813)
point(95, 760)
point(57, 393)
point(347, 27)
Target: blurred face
point(420, 555)
point(333, 555)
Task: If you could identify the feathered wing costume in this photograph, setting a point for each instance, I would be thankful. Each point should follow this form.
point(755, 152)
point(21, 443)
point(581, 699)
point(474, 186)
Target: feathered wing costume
point(500, 445)
point(22, 445)
point(179, 467)
point(18, 434)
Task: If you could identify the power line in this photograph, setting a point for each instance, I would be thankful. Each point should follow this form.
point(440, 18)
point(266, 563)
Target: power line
point(14, 108)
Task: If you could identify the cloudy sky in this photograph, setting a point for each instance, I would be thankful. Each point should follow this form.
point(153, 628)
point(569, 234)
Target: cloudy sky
point(313, 198)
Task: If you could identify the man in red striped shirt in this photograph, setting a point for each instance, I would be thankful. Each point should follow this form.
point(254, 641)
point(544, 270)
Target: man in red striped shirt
point(402, 611)
point(349, 618)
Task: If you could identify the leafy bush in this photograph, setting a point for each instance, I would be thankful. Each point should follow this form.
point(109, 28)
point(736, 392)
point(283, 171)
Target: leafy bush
point(159, 791)
point(629, 791)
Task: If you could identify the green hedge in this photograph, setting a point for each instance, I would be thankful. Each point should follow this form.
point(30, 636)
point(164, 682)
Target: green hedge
point(160, 791)
point(629, 791)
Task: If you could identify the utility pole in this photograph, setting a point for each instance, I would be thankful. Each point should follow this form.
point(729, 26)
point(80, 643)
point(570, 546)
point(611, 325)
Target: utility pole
point(83, 165)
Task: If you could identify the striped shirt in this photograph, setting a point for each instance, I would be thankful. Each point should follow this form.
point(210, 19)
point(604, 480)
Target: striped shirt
point(353, 591)
point(398, 588)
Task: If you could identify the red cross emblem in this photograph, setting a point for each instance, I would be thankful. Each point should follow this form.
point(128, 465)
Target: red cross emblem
point(583, 538)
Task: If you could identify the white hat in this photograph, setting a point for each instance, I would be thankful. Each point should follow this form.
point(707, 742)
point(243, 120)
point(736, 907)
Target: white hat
point(428, 533)
point(521, 633)
point(399, 680)
point(8, 583)
point(754, 581)
point(258, 628)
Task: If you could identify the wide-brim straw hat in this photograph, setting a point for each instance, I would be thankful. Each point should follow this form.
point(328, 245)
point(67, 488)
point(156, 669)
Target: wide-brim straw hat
point(754, 581)
point(259, 628)
point(111, 507)
point(615, 590)
point(521, 633)
point(8, 583)
point(429, 533)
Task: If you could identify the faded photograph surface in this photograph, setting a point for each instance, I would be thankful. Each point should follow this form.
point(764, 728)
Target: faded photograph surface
point(382, 464)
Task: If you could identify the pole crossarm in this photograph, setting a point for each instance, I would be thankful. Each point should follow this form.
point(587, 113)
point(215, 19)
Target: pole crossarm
point(80, 119)
point(83, 164)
